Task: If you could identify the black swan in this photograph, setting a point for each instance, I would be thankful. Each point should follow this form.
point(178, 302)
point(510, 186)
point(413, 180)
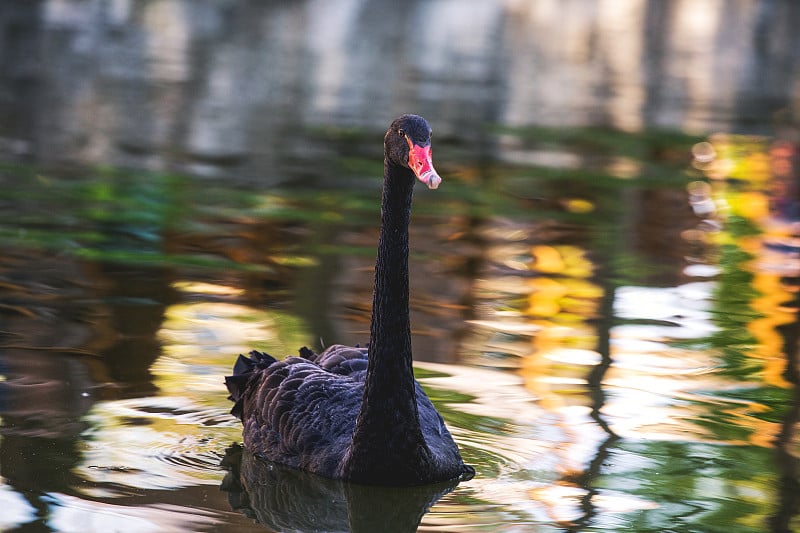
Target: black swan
point(354, 413)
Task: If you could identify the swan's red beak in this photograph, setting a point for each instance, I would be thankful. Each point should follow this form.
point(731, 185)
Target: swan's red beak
point(419, 159)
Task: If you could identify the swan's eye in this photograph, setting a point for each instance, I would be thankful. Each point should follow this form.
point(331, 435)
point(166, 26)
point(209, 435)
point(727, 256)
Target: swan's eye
point(400, 132)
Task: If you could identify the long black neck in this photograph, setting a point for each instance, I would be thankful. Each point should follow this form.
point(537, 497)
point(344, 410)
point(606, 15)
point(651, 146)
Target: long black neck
point(387, 439)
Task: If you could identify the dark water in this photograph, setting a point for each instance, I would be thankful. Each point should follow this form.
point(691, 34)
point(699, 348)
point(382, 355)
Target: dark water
point(614, 346)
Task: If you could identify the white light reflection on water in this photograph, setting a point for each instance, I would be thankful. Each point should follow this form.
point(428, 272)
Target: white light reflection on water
point(15, 509)
point(508, 443)
point(72, 514)
point(657, 390)
point(673, 312)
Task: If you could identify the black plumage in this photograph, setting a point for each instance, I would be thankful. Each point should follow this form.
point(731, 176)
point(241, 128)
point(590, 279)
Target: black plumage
point(355, 413)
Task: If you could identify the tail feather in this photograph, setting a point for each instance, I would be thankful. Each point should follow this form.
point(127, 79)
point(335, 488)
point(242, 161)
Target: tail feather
point(242, 372)
point(305, 353)
point(243, 365)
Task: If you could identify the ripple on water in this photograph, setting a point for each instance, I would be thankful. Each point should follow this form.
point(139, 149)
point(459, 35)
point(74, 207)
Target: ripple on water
point(493, 422)
point(157, 443)
point(74, 514)
point(500, 432)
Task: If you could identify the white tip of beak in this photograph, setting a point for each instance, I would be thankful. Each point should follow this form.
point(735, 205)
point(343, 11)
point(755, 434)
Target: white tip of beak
point(431, 179)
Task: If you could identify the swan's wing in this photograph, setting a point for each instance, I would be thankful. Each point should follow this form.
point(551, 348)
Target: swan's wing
point(295, 412)
point(339, 359)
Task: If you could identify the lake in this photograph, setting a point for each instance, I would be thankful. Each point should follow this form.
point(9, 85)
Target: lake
point(613, 344)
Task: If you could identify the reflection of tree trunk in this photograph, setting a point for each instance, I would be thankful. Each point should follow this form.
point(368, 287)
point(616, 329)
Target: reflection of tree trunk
point(20, 77)
point(766, 78)
point(471, 270)
point(140, 299)
point(313, 291)
point(616, 229)
point(787, 462)
point(604, 323)
point(660, 216)
point(656, 32)
point(443, 291)
point(595, 379)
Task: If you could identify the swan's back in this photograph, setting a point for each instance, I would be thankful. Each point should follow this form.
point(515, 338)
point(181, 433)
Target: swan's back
point(299, 411)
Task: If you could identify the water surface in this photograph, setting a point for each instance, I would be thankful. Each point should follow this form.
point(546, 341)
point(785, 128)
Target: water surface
point(611, 337)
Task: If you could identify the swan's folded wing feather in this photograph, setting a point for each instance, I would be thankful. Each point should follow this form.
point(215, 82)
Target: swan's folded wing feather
point(297, 413)
point(343, 360)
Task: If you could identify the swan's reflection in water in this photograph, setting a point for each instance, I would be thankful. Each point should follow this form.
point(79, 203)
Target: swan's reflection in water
point(286, 499)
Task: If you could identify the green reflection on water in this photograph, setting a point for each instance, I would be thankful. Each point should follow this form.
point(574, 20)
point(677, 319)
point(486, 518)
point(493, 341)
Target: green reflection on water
point(698, 487)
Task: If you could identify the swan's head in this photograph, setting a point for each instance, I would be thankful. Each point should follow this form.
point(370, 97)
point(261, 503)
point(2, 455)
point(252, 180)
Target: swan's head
point(408, 144)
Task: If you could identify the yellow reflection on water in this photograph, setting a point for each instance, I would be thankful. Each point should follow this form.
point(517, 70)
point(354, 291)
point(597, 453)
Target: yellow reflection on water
point(175, 437)
point(198, 287)
point(770, 305)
